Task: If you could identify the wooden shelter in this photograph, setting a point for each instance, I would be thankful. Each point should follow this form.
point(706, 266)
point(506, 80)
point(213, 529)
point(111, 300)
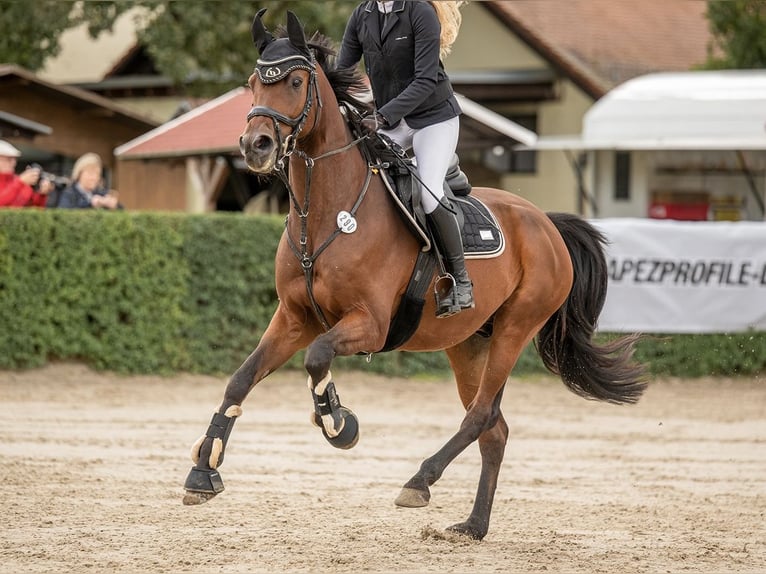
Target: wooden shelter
point(60, 123)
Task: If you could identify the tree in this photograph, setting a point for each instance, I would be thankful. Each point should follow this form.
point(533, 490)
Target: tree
point(200, 43)
point(29, 31)
point(739, 32)
point(203, 45)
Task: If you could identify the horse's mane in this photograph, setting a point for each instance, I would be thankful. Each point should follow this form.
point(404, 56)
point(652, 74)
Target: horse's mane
point(348, 84)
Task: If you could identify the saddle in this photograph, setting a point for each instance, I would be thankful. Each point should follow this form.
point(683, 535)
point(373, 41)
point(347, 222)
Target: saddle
point(481, 234)
point(480, 231)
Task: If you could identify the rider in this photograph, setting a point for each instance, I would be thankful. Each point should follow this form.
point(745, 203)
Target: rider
point(402, 43)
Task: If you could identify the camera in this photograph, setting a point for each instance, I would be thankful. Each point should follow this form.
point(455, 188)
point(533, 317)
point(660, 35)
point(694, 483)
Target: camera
point(58, 182)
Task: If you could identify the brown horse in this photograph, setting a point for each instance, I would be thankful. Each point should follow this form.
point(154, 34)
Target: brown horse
point(338, 291)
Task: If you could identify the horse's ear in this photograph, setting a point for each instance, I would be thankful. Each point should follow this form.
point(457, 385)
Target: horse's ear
point(295, 33)
point(261, 36)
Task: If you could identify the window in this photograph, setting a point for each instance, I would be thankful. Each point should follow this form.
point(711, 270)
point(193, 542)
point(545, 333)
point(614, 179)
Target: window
point(622, 175)
point(524, 161)
point(502, 158)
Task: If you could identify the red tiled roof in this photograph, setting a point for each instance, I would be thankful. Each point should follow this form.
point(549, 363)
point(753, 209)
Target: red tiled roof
point(211, 128)
point(609, 41)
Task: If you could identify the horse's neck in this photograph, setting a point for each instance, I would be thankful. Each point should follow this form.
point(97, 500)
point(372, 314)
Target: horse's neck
point(335, 181)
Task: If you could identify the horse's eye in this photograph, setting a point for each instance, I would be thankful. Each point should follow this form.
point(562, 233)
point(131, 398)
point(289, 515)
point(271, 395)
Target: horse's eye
point(297, 82)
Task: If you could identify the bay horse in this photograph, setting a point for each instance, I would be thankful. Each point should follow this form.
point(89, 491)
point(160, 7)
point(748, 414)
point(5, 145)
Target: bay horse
point(339, 287)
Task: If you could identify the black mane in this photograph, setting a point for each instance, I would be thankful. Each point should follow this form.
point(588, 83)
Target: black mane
point(347, 83)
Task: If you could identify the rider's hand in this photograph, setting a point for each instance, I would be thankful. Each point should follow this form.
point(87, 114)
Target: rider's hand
point(374, 122)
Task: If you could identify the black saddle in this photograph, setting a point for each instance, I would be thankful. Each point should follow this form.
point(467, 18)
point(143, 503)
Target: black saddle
point(482, 236)
point(480, 231)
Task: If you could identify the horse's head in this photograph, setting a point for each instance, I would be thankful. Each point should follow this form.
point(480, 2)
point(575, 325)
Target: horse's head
point(284, 87)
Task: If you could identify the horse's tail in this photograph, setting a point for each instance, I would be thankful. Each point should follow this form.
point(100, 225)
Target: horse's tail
point(601, 372)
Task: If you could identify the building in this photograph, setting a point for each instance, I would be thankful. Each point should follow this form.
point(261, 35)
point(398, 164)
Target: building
point(539, 64)
point(545, 63)
point(680, 145)
point(55, 124)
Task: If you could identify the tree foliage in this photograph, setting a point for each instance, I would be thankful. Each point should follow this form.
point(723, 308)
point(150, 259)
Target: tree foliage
point(30, 30)
point(204, 45)
point(739, 32)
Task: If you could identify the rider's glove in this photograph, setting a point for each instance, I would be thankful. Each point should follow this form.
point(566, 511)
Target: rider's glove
point(374, 122)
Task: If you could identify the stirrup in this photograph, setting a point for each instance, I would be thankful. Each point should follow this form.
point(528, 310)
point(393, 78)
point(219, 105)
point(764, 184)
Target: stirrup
point(447, 304)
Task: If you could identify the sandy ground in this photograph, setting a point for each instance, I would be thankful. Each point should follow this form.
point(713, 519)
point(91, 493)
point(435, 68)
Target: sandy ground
point(93, 468)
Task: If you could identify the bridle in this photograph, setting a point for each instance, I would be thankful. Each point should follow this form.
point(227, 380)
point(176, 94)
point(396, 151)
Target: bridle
point(270, 72)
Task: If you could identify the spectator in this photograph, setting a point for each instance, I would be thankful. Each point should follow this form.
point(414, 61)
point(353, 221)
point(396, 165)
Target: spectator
point(18, 190)
point(87, 190)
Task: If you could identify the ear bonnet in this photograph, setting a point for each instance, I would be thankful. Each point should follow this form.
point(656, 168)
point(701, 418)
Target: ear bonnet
point(280, 56)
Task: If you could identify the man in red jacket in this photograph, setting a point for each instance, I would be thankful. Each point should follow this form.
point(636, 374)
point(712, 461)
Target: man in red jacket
point(16, 190)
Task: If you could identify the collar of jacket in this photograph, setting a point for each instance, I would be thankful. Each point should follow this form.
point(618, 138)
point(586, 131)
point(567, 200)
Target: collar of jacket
point(373, 5)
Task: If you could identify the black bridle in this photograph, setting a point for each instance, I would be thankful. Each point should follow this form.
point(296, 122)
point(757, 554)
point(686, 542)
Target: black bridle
point(275, 71)
point(272, 72)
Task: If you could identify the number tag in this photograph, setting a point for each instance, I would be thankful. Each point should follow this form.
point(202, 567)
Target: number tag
point(346, 222)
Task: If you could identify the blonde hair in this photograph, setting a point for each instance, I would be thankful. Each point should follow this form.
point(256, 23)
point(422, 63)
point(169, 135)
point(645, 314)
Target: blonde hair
point(84, 161)
point(450, 18)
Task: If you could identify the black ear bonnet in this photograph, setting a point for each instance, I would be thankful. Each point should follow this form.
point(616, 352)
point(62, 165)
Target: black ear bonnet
point(280, 56)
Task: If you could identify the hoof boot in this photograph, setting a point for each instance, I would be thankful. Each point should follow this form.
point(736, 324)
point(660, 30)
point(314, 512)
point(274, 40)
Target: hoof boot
point(205, 481)
point(349, 435)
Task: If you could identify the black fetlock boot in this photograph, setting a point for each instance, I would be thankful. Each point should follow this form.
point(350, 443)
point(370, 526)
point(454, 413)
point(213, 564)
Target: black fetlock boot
point(447, 234)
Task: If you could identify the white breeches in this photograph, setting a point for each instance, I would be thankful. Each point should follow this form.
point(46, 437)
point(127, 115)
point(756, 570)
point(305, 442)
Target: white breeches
point(433, 147)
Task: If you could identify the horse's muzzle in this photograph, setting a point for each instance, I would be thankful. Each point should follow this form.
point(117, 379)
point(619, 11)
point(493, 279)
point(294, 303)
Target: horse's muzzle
point(259, 151)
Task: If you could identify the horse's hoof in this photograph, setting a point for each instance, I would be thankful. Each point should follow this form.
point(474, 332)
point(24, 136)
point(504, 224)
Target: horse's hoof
point(468, 529)
point(413, 498)
point(349, 435)
point(202, 482)
point(195, 498)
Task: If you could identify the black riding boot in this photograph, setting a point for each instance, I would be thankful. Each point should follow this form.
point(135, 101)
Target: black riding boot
point(447, 234)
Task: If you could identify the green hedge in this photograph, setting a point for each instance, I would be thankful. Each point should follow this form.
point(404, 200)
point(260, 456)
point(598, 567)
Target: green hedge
point(134, 293)
point(165, 293)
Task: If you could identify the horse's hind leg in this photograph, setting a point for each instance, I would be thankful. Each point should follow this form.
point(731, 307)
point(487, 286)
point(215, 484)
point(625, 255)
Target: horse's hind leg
point(468, 362)
point(481, 370)
point(492, 448)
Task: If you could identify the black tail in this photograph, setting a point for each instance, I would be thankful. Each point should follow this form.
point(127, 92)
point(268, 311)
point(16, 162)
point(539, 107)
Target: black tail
point(601, 372)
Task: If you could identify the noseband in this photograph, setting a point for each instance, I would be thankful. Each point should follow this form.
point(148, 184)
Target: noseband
point(270, 72)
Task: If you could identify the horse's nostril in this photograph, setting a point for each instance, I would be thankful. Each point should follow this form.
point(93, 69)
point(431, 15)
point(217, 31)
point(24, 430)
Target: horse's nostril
point(262, 143)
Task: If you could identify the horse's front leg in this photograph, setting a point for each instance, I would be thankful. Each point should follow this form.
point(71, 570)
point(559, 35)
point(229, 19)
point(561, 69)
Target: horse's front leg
point(352, 334)
point(277, 345)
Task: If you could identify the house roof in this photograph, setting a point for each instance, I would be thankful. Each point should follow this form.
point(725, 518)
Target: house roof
point(602, 43)
point(211, 128)
point(14, 77)
point(12, 125)
point(703, 110)
point(214, 128)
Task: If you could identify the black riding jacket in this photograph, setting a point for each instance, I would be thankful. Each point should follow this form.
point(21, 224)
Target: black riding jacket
point(402, 61)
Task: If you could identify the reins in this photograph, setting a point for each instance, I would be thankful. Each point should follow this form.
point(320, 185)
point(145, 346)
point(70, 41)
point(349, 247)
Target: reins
point(301, 249)
point(287, 149)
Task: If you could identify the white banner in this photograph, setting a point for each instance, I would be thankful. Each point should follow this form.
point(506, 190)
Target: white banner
point(684, 277)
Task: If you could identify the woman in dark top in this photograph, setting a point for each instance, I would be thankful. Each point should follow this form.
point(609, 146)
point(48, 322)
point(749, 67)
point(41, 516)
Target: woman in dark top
point(402, 43)
point(86, 190)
